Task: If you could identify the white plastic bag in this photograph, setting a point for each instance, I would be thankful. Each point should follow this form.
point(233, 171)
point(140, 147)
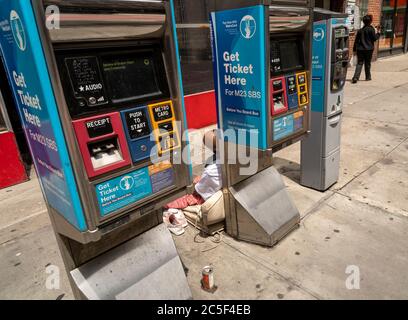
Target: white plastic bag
point(354, 60)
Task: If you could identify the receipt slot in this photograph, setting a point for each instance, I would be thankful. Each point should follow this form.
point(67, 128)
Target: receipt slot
point(320, 152)
point(101, 102)
point(279, 101)
point(262, 61)
point(102, 143)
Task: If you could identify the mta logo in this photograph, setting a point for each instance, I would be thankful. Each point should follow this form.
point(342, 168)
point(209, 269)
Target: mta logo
point(18, 30)
point(248, 27)
point(126, 183)
point(318, 34)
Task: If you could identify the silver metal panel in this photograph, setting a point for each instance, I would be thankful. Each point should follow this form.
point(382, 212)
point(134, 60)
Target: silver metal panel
point(293, 2)
point(331, 167)
point(320, 173)
point(95, 20)
point(332, 135)
point(219, 5)
point(312, 153)
point(264, 198)
point(234, 165)
point(287, 19)
point(118, 26)
point(334, 100)
point(320, 151)
point(131, 271)
point(107, 4)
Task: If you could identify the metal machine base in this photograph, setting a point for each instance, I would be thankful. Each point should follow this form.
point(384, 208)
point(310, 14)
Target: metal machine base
point(260, 209)
point(147, 267)
point(320, 152)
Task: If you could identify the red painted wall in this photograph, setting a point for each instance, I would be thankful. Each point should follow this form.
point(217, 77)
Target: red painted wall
point(12, 169)
point(201, 110)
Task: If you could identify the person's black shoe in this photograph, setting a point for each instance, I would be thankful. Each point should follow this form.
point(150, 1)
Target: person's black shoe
point(368, 79)
point(354, 81)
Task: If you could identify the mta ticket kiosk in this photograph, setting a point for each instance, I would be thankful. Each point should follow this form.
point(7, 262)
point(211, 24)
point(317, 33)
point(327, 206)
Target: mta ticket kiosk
point(262, 62)
point(320, 152)
point(100, 99)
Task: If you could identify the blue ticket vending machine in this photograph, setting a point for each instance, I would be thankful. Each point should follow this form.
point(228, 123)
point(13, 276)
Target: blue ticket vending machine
point(90, 91)
point(262, 76)
point(320, 152)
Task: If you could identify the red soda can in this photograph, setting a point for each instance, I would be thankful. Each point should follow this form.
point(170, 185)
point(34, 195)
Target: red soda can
point(207, 280)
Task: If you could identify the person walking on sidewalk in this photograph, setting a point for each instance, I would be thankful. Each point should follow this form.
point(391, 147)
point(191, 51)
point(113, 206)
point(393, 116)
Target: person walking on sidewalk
point(364, 46)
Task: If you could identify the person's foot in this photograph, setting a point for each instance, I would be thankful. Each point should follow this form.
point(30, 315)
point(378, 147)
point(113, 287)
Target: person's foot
point(354, 81)
point(172, 223)
point(368, 79)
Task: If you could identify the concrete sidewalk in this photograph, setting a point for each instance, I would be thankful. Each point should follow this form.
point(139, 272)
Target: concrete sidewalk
point(360, 222)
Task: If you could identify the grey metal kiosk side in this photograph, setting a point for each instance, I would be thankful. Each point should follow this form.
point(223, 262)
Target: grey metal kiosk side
point(320, 152)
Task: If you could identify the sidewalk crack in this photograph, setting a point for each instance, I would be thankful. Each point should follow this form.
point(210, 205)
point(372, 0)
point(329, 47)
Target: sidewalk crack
point(291, 281)
point(375, 163)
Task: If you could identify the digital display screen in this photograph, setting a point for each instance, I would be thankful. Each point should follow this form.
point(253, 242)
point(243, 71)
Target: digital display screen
point(290, 55)
point(131, 76)
point(276, 66)
point(286, 56)
point(86, 81)
point(137, 123)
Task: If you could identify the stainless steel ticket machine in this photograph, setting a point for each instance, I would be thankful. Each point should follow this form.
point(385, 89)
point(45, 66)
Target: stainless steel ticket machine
point(97, 85)
point(262, 62)
point(320, 155)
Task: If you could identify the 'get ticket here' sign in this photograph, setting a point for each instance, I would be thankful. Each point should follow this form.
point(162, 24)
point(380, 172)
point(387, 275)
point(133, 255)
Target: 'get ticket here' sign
point(28, 76)
point(238, 40)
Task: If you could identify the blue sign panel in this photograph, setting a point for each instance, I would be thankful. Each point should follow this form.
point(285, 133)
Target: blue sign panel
point(238, 41)
point(129, 188)
point(319, 65)
point(283, 127)
point(124, 190)
point(28, 74)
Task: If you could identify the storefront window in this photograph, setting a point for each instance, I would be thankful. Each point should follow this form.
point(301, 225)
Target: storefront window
point(387, 24)
point(400, 18)
point(363, 6)
point(193, 31)
point(393, 23)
